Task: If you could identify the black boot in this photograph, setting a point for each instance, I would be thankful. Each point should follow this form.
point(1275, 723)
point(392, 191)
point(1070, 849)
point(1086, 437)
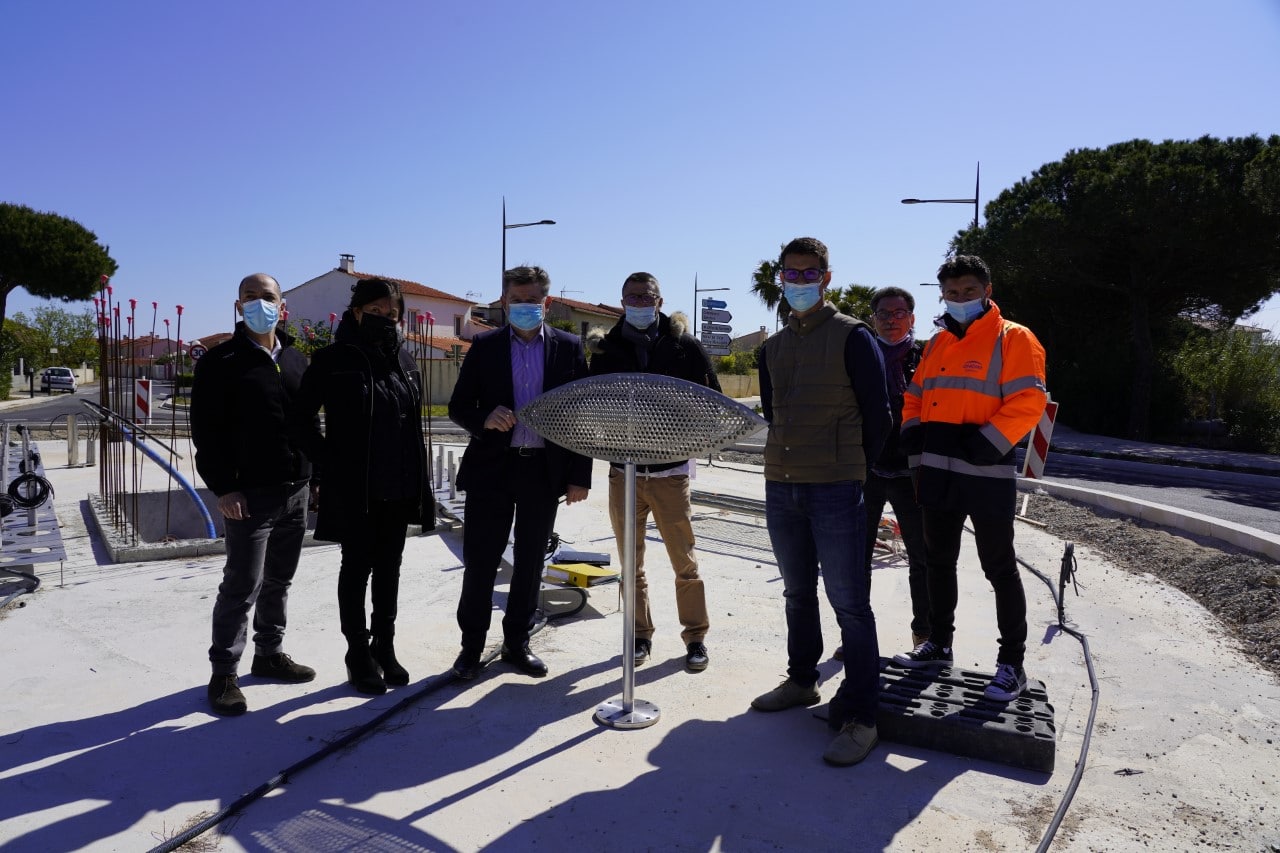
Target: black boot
point(384, 652)
point(362, 671)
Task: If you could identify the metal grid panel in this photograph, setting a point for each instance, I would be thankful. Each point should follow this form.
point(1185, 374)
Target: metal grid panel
point(27, 537)
point(639, 417)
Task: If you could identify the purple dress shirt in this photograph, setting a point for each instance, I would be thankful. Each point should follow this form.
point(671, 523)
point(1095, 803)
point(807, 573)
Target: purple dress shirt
point(528, 363)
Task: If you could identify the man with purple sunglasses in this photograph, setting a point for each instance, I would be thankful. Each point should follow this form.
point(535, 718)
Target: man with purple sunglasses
point(822, 389)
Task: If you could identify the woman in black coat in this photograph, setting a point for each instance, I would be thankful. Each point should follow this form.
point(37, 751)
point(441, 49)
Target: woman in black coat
point(372, 468)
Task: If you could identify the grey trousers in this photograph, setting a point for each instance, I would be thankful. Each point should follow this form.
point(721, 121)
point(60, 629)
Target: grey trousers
point(262, 556)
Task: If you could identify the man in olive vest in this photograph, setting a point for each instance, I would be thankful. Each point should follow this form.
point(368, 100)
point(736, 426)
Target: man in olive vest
point(822, 389)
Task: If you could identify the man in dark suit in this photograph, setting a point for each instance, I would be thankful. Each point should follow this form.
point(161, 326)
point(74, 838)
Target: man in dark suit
point(508, 471)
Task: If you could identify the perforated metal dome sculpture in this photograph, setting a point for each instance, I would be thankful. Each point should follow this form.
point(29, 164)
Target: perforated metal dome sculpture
point(639, 417)
point(636, 419)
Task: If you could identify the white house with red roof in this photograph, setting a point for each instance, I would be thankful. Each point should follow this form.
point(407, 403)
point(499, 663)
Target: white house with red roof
point(314, 301)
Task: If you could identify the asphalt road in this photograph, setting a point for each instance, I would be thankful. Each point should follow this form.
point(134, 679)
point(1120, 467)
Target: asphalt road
point(1249, 499)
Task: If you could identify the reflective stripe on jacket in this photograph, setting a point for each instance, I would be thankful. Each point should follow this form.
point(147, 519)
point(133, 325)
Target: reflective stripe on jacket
point(973, 397)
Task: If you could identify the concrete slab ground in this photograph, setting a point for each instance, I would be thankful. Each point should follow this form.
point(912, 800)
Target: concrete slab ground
point(106, 743)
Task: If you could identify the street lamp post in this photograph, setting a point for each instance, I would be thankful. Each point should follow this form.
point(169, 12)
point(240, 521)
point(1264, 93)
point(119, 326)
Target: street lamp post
point(973, 201)
point(696, 291)
point(506, 227)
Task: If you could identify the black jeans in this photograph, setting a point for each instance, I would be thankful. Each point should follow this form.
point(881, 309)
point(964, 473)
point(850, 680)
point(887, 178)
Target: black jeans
point(372, 544)
point(901, 495)
point(262, 556)
point(993, 535)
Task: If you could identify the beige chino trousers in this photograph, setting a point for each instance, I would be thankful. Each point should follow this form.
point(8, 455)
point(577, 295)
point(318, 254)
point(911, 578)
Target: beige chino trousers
point(667, 498)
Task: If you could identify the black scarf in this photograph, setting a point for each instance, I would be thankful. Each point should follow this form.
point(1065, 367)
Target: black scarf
point(642, 339)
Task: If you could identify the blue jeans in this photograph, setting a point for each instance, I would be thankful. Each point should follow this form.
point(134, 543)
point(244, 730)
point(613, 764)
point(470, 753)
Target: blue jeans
point(824, 524)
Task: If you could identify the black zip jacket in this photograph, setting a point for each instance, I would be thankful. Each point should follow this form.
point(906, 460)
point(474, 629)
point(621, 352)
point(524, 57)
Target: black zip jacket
point(241, 403)
point(674, 353)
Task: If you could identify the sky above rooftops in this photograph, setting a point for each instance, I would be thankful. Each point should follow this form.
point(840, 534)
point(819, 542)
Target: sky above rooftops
point(204, 142)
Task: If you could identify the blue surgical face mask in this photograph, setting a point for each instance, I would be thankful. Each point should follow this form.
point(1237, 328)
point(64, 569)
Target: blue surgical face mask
point(802, 297)
point(641, 318)
point(260, 315)
point(525, 316)
point(965, 312)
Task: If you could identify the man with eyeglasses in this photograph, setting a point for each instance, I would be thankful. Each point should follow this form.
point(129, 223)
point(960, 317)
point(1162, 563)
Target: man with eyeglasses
point(509, 473)
point(822, 389)
point(647, 341)
point(889, 478)
point(979, 389)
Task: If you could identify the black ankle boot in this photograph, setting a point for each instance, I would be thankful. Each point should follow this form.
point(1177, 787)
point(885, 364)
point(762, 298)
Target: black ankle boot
point(362, 671)
point(384, 652)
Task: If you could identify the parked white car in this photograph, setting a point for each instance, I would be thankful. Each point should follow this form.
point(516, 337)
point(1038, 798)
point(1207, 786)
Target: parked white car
point(58, 379)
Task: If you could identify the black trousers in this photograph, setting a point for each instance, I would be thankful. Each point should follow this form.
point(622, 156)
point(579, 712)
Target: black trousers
point(901, 495)
point(521, 493)
point(994, 537)
point(372, 547)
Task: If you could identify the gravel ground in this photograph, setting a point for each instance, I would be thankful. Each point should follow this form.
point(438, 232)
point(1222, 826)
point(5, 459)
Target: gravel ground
point(1241, 590)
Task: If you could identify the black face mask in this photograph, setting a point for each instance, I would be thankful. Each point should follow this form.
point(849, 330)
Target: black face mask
point(379, 333)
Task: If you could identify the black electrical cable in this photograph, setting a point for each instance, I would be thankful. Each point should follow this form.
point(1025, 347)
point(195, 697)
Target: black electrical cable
point(30, 490)
point(30, 584)
point(1068, 570)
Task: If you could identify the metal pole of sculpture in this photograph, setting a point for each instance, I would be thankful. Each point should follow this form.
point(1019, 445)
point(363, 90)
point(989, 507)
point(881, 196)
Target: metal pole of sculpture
point(636, 418)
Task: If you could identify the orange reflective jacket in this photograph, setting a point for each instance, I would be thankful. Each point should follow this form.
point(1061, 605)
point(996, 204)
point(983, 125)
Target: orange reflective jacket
point(970, 401)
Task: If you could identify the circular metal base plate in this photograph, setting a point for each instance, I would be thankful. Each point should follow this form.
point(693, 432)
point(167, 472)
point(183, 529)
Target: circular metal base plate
point(643, 714)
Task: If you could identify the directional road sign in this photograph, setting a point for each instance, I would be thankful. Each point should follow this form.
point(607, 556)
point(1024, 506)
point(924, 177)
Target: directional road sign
point(717, 327)
point(714, 340)
point(715, 315)
point(708, 302)
point(717, 350)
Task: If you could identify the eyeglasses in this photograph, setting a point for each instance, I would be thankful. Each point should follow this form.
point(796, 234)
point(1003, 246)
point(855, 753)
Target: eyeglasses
point(640, 300)
point(810, 275)
point(898, 314)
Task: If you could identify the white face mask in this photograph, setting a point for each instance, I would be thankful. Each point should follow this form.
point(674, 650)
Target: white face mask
point(641, 318)
point(965, 312)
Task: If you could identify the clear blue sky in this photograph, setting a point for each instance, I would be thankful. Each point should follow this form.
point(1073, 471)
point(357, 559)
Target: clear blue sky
point(206, 141)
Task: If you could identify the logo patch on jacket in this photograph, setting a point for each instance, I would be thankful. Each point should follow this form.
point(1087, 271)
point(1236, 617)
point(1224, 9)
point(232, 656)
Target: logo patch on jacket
point(973, 366)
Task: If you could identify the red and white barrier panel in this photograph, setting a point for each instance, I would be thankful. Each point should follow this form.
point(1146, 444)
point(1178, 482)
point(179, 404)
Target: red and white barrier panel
point(142, 401)
point(1038, 446)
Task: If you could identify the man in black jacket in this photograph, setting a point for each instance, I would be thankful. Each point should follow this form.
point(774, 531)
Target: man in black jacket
point(647, 341)
point(509, 473)
point(888, 478)
point(250, 459)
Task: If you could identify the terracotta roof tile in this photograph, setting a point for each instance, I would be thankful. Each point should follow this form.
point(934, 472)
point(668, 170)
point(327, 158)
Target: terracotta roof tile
point(414, 288)
point(587, 307)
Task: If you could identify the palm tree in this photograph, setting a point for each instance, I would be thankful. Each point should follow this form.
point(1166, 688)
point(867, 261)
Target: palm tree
point(766, 286)
point(852, 299)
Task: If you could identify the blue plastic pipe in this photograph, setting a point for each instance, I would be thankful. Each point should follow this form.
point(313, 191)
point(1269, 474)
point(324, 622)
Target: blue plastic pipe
point(209, 529)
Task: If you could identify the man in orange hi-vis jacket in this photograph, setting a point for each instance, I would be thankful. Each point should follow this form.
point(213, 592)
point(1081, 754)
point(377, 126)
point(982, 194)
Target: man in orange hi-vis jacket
point(978, 391)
